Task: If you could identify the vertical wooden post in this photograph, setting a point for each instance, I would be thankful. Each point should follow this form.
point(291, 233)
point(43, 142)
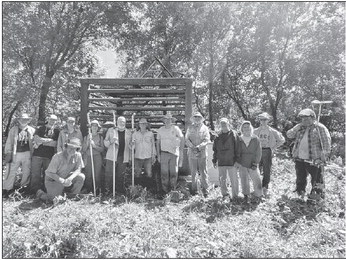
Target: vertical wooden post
point(84, 108)
point(188, 103)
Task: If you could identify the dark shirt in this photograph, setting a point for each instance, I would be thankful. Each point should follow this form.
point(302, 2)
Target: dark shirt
point(121, 135)
point(23, 141)
point(43, 150)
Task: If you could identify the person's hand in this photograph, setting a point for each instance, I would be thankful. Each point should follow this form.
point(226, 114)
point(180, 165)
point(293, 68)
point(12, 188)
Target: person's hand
point(215, 165)
point(114, 140)
point(67, 182)
point(92, 143)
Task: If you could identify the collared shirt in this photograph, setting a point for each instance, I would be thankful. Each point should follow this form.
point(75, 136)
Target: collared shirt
point(170, 139)
point(318, 136)
point(197, 134)
point(61, 166)
point(144, 144)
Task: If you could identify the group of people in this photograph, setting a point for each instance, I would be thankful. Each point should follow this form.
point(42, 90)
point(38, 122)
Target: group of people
point(54, 161)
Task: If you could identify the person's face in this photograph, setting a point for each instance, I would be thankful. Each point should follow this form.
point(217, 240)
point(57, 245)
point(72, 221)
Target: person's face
point(71, 150)
point(94, 128)
point(51, 121)
point(198, 119)
point(23, 122)
point(224, 127)
point(142, 126)
point(70, 123)
point(246, 129)
point(121, 122)
point(264, 121)
point(168, 121)
point(307, 120)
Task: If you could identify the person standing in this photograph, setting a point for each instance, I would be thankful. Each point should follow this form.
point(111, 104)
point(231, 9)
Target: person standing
point(312, 145)
point(94, 139)
point(224, 158)
point(270, 139)
point(249, 153)
point(45, 142)
point(197, 137)
point(18, 149)
point(117, 141)
point(68, 131)
point(170, 145)
point(145, 150)
point(64, 172)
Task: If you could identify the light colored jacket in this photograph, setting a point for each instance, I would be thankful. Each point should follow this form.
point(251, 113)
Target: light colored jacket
point(276, 139)
point(11, 142)
point(111, 153)
point(197, 135)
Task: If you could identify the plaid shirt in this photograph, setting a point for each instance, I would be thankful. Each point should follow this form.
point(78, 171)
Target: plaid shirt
point(318, 134)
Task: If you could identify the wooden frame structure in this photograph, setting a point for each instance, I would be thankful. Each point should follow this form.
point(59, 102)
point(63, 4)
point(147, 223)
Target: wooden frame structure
point(147, 97)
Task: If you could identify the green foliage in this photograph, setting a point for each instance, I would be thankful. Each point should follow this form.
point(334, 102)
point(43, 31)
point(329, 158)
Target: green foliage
point(280, 227)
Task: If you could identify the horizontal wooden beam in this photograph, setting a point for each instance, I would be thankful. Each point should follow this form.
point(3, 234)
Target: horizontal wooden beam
point(143, 108)
point(137, 91)
point(152, 117)
point(138, 81)
point(139, 99)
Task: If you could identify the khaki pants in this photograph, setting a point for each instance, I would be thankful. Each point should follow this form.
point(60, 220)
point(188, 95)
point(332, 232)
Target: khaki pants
point(169, 171)
point(55, 188)
point(199, 165)
point(233, 176)
point(245, 174)
point(23, 160)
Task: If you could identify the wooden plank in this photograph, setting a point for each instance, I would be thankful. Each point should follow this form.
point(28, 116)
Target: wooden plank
point(84, 109)
point(136, 81)
point(137, 91)
point(182, 108)
point(150, 118)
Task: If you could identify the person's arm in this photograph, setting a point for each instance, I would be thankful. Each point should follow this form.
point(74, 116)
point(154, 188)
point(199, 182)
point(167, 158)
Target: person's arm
point(100, 147)
point(325, 140)
point(108, 140)
point(53, 169)
point(77, 169)
point(279, 138)
point(293, 131)
point(205, 139)
point(187, 139)
point(258, 153)
point(10, 141)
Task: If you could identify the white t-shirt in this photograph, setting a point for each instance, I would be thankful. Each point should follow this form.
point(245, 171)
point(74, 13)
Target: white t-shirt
point(170, 139)
point(264, 136)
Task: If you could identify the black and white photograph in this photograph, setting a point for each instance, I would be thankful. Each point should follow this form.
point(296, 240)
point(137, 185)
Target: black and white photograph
point(173, 129)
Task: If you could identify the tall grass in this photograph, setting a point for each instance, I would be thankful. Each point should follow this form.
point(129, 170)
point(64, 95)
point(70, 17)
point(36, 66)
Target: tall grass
point(280, 227)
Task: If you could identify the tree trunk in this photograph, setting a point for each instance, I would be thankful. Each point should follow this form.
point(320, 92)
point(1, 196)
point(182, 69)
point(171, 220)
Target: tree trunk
point(10, 118)
point(211, 106)
point(47, 83)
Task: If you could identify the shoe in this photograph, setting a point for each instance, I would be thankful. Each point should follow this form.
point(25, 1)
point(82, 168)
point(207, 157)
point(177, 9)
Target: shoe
point(265, 191)
point(39, 193)
point(246, 199)
point(301, 194)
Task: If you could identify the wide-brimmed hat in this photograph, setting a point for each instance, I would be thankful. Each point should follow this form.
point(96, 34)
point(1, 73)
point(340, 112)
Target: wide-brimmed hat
point(95, 122)
point(74, 142)
point(307, 112)
point(196, 114)
point(70, 118)
point(143, 121)
point(108, 123)
point(264, 115)
point(24, 116)
point(168, 116)
point(52, 116)
point(224, 119)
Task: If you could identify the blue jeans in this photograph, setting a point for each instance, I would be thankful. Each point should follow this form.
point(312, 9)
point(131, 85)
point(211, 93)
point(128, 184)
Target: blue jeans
point(266, 165)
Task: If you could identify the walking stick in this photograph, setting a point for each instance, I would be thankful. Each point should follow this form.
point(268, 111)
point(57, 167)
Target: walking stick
point(91, 155)
point(133, 150)
point(114, 122)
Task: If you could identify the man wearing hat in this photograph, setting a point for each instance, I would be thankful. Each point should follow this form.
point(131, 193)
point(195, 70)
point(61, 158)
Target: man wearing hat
point(69, 131)
point(45, 142)
point(95, 140)
point(197, 137)
point(18, 149)
point(145, 150)
point(312, 145)
point(64, 172)
point(170, 145)
point(270, 139)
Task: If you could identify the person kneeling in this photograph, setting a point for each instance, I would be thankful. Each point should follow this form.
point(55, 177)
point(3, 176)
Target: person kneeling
point(64, 172)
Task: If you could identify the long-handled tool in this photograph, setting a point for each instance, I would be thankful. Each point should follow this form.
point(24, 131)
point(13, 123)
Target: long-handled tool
point(114, 122)
point(91, 155)
point(321, 103)
point(133, 150)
